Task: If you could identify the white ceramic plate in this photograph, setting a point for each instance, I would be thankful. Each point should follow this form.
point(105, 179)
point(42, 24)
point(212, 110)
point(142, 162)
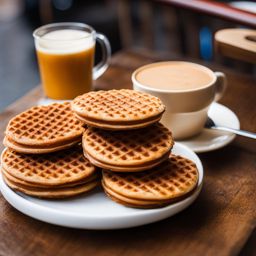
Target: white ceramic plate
point(96, 210)
point(208, 139)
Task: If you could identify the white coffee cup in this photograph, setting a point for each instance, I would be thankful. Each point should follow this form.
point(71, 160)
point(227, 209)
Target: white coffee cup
point(186, 108)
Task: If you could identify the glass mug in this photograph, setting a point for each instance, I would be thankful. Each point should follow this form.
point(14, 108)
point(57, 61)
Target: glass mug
point(65, 53)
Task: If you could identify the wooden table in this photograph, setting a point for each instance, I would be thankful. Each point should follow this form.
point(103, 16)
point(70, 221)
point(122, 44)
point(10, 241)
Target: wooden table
point(218, 223)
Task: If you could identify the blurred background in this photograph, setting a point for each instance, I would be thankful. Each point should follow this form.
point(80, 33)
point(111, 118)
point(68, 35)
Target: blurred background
point(151, 25)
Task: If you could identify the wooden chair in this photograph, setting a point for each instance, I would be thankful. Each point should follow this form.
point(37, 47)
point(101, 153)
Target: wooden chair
point(180, 23)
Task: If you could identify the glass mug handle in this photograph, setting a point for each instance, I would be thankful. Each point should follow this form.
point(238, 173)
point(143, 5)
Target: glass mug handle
point(101, 67)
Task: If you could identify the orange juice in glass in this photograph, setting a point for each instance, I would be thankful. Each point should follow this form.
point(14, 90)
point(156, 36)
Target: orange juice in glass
point(65, 53)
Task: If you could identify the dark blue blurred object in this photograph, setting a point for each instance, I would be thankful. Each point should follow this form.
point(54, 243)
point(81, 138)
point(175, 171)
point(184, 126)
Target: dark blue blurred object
point(206, 46)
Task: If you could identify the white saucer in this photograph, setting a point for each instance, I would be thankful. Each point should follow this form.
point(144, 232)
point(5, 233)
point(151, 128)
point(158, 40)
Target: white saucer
point(208, 139)
point(96, 210)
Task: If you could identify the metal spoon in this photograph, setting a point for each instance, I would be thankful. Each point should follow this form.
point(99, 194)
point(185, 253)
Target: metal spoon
point(211, 125)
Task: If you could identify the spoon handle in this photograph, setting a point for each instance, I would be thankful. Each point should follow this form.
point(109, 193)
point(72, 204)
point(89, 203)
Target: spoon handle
point(239, 132)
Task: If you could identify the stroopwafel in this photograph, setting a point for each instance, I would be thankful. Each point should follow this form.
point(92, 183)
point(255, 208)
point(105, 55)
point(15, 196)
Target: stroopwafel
point(60, 174)
point(118, 109)
point(61, 192)
point(43, 129)
point(169, 182)
point(128, 151)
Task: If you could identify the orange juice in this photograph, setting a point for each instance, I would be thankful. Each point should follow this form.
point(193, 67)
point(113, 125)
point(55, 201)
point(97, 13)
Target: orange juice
point(66, 60)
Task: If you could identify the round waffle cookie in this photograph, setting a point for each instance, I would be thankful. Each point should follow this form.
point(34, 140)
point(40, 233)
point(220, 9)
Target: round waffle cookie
point(127, 151)
point(35, 185)
point(169, 182)
point(62, 192)
point(118, 109)
point(63, 169)
point(62, 174)
point(43, 129)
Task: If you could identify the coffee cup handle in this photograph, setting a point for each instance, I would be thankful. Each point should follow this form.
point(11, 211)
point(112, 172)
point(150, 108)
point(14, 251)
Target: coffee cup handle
point(101, 67)
point(221, 85)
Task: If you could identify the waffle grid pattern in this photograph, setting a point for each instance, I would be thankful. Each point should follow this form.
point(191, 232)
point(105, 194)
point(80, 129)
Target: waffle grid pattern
point(51, 169)
point(171, 179)
point(131, 147)
point(44, 124)
point(117, 105)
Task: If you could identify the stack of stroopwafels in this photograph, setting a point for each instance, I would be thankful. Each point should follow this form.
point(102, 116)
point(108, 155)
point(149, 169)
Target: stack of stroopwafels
point(42, 157)
point(125, 138)
point(56, 151)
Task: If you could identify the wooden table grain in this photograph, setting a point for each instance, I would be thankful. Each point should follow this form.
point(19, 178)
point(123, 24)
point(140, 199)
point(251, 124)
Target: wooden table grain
point(219, 222)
